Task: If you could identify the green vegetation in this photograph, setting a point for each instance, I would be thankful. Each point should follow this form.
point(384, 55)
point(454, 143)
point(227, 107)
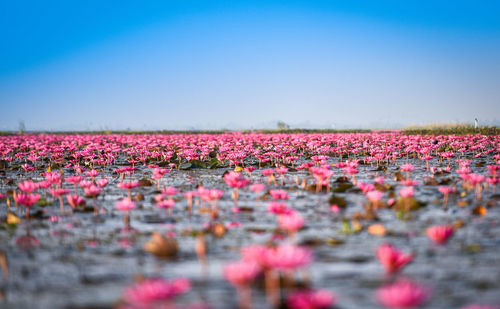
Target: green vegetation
point(451, 128)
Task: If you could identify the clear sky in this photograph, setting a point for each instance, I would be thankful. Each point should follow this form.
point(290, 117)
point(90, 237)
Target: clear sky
point(232, 64)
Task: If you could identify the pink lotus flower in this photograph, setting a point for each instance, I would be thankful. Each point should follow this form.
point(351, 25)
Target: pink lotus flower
point(374, 196)
point(166, 204)
point(241, 273)
point(407, 167)
point(73, 179)
point(149, 291)
point(278, 208)
point(291, 222)
point(85, 183)
point(288, 257)
point(257, 187)
point(392, 259)
point(125, 204)
point(102, 182)
point(27, 186)
point(309, 299)
point(440, 233)
point(92, 191)
point(170, 191)
point(403, 295)
point(267, 172)
point(26, 199)
point(92, 173)
point(75, 200)
point(366, 187)
point(407, 192)
point(236, 180)
point(446, 190)
point(128, 185)
point(254, 253)
point(58, 192)
point(279, 194)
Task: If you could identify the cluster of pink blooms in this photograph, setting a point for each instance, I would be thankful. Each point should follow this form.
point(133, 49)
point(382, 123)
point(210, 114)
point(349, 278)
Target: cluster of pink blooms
point(279, 153)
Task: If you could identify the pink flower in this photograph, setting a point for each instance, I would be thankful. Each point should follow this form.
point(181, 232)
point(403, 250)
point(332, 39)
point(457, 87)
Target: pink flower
point(446, 190)
point(59, 192)
point(291, 222)
point(166, 204)
point(73, 179)
point(392, 259)
point(150, 291)
point(366, 187)
point(102, 182)
point(241, 273)
point(281, 170)
point(279, 194)
point(475, 179)
point(236, 180)
point(85, 183)
point(288, 257)
point(125, 204)
point(406, 192)
point(374, 196)
point(92, 173)
point(335, 208)
point(75, 200)
point(440, 233)
point(27, 186)
point(403, 294)
point(128, 185)
point(92, 191)
point(407, 167)
point(27, 199)
point(308, 299)
point(257, 187)
point(170, 191)
point(233, 224)
point(254, 253)
point(268, 172)
point(278, 208)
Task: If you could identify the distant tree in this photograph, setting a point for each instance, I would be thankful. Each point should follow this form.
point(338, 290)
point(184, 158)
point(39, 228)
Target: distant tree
point(282, 125)
point(22, 127)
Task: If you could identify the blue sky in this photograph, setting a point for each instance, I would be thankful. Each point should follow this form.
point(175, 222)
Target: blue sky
point(68, 65)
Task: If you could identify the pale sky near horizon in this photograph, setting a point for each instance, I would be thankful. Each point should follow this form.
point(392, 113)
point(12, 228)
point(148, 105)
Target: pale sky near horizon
point(89, 65)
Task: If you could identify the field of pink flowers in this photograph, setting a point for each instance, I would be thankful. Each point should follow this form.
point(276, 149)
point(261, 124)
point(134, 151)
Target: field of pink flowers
point(234, 220)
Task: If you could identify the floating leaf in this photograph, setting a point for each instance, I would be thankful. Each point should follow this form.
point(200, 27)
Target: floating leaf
point(186, 166)
point(480, 211)
point(333, 241)
point(198, 164)
point(402, 203)
point(145, 182)
point(356, 226)
point(458, 224)
point(338, 200)
point(341, 188)
point(346, 228)
point(161, 246)
point(377, 229)
point(214, 163)
point(398, 176)
point(13, 219)
point(219, 230)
